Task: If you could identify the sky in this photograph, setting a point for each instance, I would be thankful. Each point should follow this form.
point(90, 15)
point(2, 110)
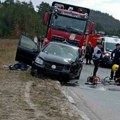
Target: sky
point(112, 7)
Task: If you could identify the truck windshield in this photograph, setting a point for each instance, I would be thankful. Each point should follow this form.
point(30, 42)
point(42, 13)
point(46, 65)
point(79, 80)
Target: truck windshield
point(109, 46)
point(68, 24)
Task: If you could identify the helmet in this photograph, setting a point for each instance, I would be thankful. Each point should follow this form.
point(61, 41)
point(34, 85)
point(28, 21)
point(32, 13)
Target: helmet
point(115, 67)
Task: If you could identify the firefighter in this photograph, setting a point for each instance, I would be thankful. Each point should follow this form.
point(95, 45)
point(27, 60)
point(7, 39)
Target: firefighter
point(117, 77)
point(89, 52)
point(97, 57)
point(117, 74)
point(115, 56)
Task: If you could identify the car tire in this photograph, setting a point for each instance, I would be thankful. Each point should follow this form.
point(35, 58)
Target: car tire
point(79, 74)
point(34, 72)
point(77, 77)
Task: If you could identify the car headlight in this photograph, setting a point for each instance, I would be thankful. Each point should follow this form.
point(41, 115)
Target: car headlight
point(39, 60)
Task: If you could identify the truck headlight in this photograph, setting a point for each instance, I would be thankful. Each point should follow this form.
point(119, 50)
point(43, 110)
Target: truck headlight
point(39, 61)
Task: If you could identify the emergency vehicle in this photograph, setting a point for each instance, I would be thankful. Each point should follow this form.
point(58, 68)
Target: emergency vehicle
point(109, 45)
point(69, 23)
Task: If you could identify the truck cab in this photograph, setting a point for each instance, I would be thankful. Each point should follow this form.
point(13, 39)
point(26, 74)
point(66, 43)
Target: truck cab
point(67, 23)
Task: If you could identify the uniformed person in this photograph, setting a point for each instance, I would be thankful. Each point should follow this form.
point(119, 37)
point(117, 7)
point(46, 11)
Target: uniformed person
point(89, 52)
point(97, 57)
point(115, 58)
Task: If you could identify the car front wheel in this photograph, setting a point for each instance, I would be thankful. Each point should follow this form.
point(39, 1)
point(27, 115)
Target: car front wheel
point(79, 73)
point(34, 72)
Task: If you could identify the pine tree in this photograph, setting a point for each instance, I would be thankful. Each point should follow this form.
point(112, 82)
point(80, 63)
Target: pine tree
point(31, 4)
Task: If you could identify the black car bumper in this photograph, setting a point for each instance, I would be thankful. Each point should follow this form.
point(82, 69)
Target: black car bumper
point(44, 69)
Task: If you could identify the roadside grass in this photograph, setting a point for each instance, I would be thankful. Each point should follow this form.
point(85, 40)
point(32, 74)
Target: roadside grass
point(44, 92)
point(7, 51)
point(11, 100)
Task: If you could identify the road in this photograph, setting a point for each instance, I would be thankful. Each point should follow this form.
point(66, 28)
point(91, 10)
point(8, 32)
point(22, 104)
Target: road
point(101, 103)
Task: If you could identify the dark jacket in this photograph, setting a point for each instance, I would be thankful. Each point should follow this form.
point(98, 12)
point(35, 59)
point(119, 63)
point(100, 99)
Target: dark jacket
point(115, 55)
point(89, 51)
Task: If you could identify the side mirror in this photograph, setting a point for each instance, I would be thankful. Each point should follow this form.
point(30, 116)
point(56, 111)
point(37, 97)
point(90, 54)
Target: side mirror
point(46, 18)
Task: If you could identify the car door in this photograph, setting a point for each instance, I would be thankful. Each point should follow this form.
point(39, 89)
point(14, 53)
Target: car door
point(27, 50)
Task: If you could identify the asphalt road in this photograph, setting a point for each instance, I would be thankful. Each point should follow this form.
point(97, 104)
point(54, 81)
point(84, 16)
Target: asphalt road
point(101, 103)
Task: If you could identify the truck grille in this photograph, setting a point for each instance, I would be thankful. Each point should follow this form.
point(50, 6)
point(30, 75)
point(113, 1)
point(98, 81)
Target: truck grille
point(59, 39)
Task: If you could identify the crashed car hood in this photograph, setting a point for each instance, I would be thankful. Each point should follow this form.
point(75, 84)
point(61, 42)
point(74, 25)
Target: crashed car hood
point(55, 59)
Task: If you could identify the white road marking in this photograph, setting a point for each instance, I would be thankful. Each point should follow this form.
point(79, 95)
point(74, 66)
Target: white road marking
point(101, 88)
point(90, 87)
point(71, 100)
point(68, 97)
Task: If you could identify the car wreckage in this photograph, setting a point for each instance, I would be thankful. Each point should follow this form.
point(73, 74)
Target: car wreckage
point(56, 58)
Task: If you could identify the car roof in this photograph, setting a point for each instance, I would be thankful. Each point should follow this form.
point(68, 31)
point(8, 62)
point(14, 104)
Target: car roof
point(64, 44)
point(112, 39)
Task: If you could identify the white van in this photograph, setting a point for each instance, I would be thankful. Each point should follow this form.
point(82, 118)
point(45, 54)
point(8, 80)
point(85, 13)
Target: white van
point(109, 45)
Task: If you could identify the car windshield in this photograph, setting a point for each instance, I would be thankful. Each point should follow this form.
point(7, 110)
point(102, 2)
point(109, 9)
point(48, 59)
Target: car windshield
point(66, 52)
point(109, 46)
point(69, 24)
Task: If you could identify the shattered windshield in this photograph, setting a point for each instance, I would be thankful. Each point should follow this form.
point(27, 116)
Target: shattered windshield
point(63, 51)
point(68, 24)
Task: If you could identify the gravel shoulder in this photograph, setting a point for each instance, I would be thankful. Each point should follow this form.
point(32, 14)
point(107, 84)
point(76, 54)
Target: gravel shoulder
point(23, 97)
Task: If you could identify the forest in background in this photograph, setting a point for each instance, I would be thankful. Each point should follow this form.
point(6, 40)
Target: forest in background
point(21, 17)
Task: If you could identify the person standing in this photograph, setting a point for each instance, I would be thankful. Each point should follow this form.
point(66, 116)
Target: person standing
point(97, 56)
point(117, 74)
point(39, 42)
point(115, 56)
point(42, 40)
point(89, 52)
point(83, 49)
point(103, 41)
point(35, 39)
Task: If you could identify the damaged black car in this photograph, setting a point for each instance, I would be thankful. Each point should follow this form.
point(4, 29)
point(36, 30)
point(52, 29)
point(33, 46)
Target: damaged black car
point(55, 58)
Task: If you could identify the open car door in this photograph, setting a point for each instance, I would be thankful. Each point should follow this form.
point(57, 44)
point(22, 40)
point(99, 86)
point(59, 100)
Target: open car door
point(27, 50)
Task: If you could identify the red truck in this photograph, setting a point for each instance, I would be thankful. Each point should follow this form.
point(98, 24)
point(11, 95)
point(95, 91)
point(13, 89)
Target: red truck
point(68, 23)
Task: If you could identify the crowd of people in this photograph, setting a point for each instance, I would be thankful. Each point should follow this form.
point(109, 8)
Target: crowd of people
point(96, 54)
